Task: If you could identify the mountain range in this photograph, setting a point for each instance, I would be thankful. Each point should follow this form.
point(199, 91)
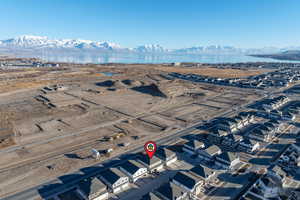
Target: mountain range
point(286, 55)
point(28, 42)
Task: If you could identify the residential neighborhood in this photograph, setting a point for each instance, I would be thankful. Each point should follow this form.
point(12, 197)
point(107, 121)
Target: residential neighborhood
point(283, 77)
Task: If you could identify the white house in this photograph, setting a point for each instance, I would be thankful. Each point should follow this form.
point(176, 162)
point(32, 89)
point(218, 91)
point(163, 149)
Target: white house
point(247, 118)
point(193, 146)
point(133, 169)
point(231, 140)
point(239, 121)
point(166, 155)
point(228, 125)
point(259, 134)
point(209, 152)
point(203, 172)
point(116, 180)
point(171, 191)
point(216, 134)
point(153, 164)
point(186, 180)
point(249, 145)
point(227, 160)
point(92, 189)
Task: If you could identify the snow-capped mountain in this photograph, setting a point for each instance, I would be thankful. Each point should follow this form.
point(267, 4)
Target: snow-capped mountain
point(213, 49)
point(152, 48)
point(30, 42)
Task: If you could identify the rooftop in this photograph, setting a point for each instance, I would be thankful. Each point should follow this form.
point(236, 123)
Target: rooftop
point(165, 153)
point(227, 156)
point(91, 186)
point(170, 191)
point(150, 196)
point(144, 159)
point(131, 166)
point(212, 150)
point(187, 179)
point(202, 171)
point(112, 175)
point(195, 144)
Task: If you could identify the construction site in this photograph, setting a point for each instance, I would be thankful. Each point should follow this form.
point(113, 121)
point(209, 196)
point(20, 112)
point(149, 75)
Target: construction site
point(51, 118)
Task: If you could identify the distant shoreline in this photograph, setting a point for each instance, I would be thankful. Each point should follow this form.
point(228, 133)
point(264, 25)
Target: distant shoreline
point(147, 58)
point(287, 57)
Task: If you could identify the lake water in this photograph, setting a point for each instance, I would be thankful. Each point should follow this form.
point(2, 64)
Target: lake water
point(108, 73)
point(150, 58)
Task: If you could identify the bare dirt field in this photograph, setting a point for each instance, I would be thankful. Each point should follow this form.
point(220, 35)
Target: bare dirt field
point(214, 72)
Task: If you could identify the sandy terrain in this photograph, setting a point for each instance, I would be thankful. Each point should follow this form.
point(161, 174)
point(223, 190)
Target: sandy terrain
point(214, 72)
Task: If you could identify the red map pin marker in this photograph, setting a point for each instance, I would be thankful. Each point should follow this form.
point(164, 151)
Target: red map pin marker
point(150, 148)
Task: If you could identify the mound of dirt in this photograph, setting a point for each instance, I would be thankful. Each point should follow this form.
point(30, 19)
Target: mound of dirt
point(6, 142)
point(119, 84)
point(194, 95)
point(107, 83)
point(114, 84)
point(112, 89)
point(129, 82)
point(151, 89)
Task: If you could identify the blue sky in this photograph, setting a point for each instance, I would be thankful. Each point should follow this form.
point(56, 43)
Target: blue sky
point(171, 23)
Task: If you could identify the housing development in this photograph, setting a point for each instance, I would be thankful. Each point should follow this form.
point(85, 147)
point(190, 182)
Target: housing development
point(77, 131)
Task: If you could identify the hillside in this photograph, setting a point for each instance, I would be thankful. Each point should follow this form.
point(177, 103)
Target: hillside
point(287, 55)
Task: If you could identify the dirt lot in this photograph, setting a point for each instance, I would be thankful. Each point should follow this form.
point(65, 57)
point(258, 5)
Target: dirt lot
point(214, 72)
point(57, 116)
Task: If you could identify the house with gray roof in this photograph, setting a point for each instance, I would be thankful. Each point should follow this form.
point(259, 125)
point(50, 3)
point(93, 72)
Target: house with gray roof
point(133, 169)
point(115, 179)
point(150, 196)
point(191, 183)
point(258, 134)
point(273, 127)
point(228, 124)
point(231, 140)
point(239, 121)
point(193, 146)
point(92, 189)
point(248, 145)
point(209, 153)
point(275, 114)
point(227, 160)
point(288, 115)
point(166, 155)
point(171, 191)
point(153, 164)
point(202, 172)
point(216, 134)
point(247, 118)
